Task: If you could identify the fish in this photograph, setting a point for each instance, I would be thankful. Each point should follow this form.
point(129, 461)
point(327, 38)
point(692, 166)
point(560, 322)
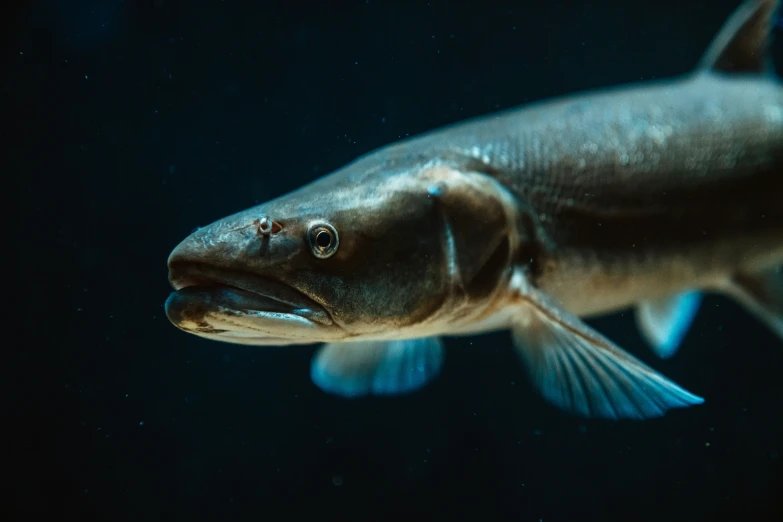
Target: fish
point(644, 196)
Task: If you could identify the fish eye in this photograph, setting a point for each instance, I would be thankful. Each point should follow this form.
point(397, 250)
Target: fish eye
point(323, 240)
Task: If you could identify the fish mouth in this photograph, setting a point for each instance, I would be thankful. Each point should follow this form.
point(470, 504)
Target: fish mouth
point(215, 302)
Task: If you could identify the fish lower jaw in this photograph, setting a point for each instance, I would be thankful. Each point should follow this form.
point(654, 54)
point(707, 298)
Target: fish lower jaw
point(285, 329)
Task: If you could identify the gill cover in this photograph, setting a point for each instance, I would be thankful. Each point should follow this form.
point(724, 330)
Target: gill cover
point(474, 258)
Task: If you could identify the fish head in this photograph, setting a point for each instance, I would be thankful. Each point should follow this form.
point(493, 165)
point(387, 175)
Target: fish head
point(348, 256)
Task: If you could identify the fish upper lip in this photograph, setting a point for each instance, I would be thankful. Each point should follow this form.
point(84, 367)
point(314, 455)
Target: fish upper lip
point(190, 274)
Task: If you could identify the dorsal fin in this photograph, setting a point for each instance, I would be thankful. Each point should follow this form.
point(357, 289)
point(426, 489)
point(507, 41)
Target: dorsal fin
point(742, 45)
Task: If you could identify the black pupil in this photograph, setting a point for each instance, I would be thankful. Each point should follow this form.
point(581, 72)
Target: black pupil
point(323, 238)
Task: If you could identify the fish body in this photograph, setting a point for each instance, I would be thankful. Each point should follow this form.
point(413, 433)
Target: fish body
point(640, 196)
point(636, 191)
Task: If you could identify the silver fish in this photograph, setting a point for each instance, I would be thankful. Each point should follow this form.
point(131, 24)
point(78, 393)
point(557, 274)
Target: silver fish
point(531, 219)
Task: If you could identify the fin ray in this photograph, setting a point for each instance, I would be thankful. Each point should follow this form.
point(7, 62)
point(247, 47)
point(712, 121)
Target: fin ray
point(665, 322)
point(577, 369)
point(742, 43)
point(355, 369)
point(762, 295)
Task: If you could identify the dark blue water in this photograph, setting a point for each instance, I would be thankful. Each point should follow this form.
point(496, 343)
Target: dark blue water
point(128, 124)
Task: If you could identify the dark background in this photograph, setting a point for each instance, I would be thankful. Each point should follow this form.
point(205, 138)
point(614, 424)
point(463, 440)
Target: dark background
point(129, 123)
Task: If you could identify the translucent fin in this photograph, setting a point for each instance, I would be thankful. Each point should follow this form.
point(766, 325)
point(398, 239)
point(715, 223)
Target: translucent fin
point(742, 44)
point(664, 322)
point(577, 369)
point(355, 369)
point(762, 295)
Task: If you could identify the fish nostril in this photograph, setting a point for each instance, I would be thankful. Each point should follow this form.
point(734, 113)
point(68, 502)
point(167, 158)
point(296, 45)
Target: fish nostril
point(266, 226)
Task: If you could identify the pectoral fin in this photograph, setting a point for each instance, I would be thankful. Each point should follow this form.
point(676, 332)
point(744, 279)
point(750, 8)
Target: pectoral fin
point(577, 369)
point(762, 295)
point(664, 322)
point(354, 369)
